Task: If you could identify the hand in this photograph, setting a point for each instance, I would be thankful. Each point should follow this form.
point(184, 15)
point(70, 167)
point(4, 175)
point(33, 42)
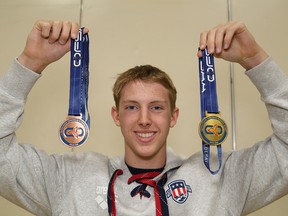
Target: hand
point(47, 42)
point(233, 42)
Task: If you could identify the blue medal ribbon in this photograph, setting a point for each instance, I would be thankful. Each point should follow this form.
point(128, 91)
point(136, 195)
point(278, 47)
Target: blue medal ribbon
point(74, 131)
point(209, 101)
point(79, 77)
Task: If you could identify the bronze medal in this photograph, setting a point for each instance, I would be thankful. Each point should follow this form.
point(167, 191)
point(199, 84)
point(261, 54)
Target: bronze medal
point(74, 131)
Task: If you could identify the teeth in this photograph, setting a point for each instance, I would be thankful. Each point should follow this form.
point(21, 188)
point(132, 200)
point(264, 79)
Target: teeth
point(145, 135)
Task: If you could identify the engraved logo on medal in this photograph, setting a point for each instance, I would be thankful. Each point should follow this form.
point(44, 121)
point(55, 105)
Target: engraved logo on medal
point(213, 129)
point(74, 132)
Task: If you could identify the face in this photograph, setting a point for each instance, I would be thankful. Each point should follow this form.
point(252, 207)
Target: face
point(145, 117)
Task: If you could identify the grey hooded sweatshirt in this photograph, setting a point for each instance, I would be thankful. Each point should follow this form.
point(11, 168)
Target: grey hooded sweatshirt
point(79, 183)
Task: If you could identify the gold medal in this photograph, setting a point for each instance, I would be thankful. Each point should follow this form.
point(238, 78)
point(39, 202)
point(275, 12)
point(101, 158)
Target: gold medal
point(74, 131)
point(212, 129)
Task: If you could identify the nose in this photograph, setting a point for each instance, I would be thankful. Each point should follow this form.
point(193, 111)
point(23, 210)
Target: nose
point(144, 119)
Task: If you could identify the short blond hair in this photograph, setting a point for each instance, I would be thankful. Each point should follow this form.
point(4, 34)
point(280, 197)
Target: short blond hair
point(146, 73)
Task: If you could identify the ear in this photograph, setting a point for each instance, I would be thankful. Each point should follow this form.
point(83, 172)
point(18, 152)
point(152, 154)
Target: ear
point(115, 115)
point(174, 117)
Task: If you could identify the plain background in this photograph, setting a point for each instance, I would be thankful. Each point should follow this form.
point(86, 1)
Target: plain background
point(125, 33)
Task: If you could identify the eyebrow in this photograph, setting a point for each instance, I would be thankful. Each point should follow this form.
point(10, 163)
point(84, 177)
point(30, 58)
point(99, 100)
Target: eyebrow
point(151, 102)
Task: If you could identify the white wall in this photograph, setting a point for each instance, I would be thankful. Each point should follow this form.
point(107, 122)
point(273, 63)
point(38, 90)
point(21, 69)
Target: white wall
point(125, 33)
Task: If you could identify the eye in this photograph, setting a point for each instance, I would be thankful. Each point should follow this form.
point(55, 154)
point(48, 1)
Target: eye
point(157, 108)
point(131, 107)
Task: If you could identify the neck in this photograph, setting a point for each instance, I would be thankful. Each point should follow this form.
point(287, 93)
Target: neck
point(153, 162)
point(134, 170)
point(145, 165)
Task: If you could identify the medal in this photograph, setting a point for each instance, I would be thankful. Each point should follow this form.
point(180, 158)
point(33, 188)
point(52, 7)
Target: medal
point(75, 130)
point(212, 128)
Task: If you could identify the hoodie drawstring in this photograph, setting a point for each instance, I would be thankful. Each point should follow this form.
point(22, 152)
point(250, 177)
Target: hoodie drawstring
point(144, 180)
point(111, 193)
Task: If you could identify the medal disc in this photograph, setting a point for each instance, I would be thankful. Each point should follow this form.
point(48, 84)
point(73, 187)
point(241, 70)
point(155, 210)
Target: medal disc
point(74, 132)
point(213, 130)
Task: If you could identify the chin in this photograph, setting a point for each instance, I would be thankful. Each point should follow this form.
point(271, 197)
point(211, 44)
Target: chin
point(148, 153)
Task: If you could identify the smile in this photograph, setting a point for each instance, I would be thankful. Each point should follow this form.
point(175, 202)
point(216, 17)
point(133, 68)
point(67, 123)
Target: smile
point(145, 135)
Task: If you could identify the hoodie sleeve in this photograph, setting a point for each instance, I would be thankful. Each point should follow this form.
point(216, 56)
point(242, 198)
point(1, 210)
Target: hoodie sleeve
point(269, 176)
point(30, 178)
point(21, 175)
point(259, 175)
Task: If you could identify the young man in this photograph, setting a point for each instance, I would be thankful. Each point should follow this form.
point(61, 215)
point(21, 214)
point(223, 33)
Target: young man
point(148, 180)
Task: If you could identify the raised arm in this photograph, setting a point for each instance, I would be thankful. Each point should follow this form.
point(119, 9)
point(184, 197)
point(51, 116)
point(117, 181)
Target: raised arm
point(256, 175)
point(27, 173)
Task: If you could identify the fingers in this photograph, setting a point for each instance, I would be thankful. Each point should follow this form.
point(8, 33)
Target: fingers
point(58, 31)
point(219, 38)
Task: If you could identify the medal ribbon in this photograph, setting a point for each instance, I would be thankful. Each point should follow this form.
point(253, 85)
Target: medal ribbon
point(79, 77)
point(209, 101)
